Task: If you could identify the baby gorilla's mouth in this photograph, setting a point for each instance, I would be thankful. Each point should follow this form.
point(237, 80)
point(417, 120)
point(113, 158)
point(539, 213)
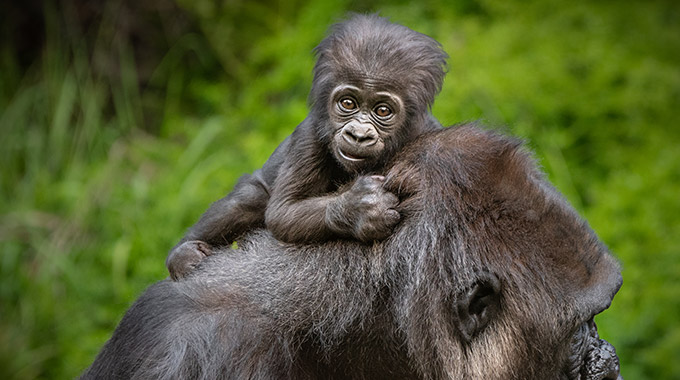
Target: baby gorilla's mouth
point(350, 157)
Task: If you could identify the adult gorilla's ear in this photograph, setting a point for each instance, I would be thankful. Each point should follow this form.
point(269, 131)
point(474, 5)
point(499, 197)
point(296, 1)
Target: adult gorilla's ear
point(478, 305)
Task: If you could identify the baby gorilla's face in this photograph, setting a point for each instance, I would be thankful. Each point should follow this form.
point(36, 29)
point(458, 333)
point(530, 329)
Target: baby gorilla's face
point(365, 121)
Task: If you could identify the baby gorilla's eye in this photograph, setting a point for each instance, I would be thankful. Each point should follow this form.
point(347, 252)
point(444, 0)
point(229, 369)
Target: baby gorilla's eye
point(383, 111)
point(348, 104)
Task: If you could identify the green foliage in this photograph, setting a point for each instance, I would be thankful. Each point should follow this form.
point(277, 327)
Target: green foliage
point(102, 173)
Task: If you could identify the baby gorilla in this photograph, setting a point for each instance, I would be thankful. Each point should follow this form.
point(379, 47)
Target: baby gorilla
point(374, 84)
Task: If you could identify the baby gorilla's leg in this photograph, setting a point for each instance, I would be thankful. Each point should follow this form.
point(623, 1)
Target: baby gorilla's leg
point(183, 258)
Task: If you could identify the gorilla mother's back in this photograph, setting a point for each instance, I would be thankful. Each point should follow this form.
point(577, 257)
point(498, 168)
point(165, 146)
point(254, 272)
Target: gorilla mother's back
point(491, 274)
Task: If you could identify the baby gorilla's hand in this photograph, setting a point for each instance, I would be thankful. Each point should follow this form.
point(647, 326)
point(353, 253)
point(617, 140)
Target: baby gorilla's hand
point(183, 258)
point(365, 211)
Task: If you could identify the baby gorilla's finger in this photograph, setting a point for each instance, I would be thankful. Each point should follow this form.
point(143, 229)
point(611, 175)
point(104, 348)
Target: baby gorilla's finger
point(368, 183)
point(392, 217)
point(390, 200)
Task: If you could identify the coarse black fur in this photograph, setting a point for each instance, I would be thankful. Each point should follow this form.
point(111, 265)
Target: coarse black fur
point(374, 84)
point(490, 275)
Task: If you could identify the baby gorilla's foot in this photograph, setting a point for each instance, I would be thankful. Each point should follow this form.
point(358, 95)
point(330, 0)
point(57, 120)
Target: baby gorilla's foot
point(183, 259)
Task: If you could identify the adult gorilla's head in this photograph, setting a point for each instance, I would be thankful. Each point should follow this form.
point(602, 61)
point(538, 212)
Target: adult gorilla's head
point(499, 278)
point(490, 275)
point(374, 83)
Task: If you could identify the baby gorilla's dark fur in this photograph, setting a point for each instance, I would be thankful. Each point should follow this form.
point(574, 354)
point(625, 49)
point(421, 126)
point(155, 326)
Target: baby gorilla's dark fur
point(374, 84)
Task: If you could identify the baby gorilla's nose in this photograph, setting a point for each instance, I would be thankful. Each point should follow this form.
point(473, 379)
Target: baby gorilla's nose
point(361, 134)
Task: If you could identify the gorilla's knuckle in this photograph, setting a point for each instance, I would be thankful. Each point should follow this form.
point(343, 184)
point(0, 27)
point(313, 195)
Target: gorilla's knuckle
point(391, 199)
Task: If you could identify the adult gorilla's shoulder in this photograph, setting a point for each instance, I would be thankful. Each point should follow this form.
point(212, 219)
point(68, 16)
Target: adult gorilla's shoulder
point(490, 274)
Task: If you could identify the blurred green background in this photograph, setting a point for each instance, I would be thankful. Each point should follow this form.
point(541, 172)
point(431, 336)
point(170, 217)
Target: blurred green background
point(122, 120)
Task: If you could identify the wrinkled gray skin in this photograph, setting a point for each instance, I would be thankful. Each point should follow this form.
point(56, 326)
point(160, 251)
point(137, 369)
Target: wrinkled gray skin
point(374, 84)
point(592, 357)
point(489, 275)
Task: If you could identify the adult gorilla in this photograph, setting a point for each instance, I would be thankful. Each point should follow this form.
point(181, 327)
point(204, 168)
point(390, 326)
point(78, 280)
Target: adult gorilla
point(490, 275)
